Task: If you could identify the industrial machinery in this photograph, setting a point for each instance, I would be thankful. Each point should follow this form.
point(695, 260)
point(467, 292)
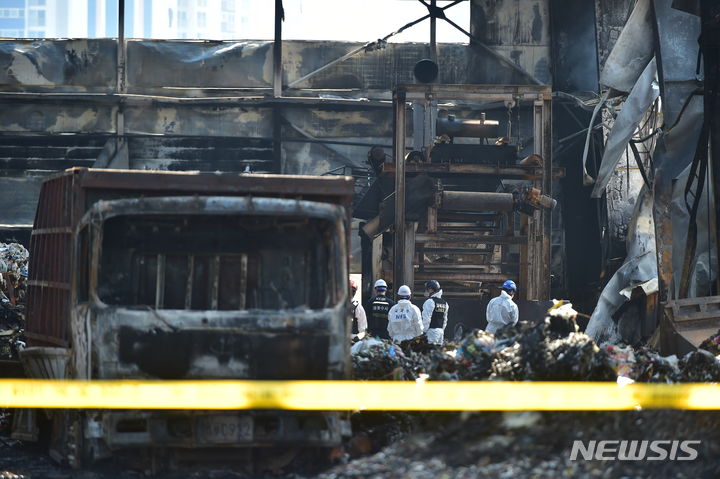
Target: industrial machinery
point(446, 210)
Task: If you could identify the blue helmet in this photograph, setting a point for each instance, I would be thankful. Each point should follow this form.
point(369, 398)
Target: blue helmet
point(509, 285)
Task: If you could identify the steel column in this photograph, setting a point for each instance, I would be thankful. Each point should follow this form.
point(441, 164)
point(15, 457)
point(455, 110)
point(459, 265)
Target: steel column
point(399, 246)
point(277, 49)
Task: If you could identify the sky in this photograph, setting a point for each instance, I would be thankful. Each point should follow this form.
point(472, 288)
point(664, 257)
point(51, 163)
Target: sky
point(352, 20)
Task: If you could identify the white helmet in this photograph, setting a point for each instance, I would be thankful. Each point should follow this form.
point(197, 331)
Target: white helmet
point(404, 291)
point(380, 283)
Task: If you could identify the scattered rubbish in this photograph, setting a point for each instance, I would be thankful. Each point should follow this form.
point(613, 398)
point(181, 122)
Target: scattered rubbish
point(552, 350)
point(13, 287)
point(700, 366)
point(520, 419)
point(712, 344)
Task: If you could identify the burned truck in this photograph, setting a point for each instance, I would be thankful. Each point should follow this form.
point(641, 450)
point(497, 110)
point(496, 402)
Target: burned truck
point(180, 275)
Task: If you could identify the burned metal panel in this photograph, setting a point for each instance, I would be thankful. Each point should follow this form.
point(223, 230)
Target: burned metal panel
point(611, 16)
point(201, 154)
point(51, 265)
point(674, 152)
point(216, 344)
point(60, 65)
point(378, 69)
point(248, 64)
point(21, 195)
point(196, 120)
point(519, 31)
point(162, 65)
point(677, 53)
point(46, 116)
point(183, 430)
point(353, 123)
point(107, 182)
point(574, 45)
point(302, 158)
point(702, 265)
point(638, 270)
point(634, 109)
point(373, 127)
point(223, 354)
point(236, 342)
point(192, 64)
point(632, 51)
point(26, 160)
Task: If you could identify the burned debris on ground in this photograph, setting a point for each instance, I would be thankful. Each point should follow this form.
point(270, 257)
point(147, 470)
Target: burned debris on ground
point(552, 350)
point(537, 444)
point(13, 287)
point(495, 444)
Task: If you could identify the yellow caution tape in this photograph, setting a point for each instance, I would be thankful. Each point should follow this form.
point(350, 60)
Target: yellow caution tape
point(354, 395)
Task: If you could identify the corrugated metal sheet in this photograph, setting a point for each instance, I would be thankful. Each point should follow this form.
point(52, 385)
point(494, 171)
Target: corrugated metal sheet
point(519, 31)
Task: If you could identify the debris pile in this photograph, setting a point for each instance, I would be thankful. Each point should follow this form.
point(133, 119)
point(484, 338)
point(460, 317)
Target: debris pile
point(13, 287)
point(552, 350)
point(537, 444)
point(712, 344)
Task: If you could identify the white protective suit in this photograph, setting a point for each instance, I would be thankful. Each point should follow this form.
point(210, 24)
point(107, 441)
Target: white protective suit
point(434, 335)
point(501, 311)
point(404, 321)
point(361, 320)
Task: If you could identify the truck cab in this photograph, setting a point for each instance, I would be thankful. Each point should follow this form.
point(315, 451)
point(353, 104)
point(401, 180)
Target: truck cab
point(205, 286)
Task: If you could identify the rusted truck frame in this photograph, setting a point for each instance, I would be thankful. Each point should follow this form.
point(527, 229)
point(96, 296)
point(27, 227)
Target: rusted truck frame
point(147, 275)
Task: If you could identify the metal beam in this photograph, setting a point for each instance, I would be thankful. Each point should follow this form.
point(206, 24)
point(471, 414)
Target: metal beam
point(517, 171)
point(277, 50)
point(469, 238)
point(433, 33)
point(479, 277)
point(277, 87)
point(399, 246)
point(478, 92)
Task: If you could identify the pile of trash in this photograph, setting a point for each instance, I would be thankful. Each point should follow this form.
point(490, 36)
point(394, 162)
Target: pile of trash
point(712, 344)
point(13, 289)
point(552, 350)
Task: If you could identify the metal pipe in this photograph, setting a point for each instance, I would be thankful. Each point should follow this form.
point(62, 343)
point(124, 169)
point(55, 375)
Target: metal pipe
point(477, 201)
point(481, 128)
point(433, 33)
point(399, 246)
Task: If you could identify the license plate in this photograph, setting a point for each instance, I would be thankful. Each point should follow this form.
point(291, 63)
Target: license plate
point(226, 429)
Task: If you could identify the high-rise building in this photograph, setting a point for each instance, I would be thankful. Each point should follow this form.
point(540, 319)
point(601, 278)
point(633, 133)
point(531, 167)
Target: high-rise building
point(44, 18)
point(12, 18)
point(211, 19)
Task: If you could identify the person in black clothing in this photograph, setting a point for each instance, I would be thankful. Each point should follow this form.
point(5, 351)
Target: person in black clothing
point(434, 313)
point(379, 307)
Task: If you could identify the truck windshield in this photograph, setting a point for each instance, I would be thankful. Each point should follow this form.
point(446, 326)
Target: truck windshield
point(219, 262)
